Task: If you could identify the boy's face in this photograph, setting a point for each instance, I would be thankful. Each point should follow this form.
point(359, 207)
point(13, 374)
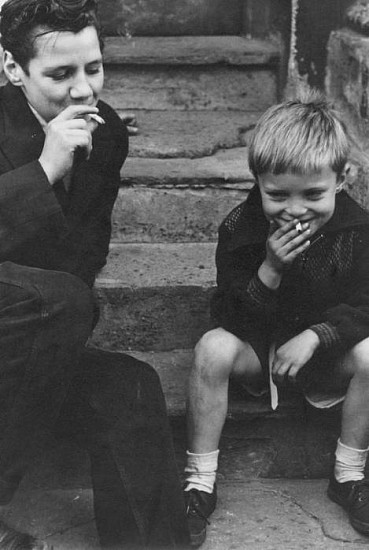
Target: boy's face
point(66, 70)
point(307, 198)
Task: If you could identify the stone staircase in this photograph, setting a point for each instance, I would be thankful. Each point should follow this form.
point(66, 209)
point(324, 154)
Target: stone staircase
point(196, 99)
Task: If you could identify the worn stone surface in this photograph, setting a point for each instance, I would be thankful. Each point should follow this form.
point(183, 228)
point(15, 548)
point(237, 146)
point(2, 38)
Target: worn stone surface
point(225, 168)
point(207, 88)
point(258, 514)
point(63, 518)
point(271, 515)
point(171, 17)
point(171, 215)
point(155, 296)
point(191, 50)
point(190, 134)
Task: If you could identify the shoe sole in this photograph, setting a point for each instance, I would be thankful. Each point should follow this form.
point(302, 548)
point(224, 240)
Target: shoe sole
point(198, 539)
point(358, 525)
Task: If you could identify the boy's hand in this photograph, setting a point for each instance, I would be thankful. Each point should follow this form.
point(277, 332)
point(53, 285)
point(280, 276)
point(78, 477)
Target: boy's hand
point(70, 130)
point(283, 245)
point(130, 121)
point(293, 355)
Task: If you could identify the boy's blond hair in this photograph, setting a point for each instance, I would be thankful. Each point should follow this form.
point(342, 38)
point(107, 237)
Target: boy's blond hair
point(301, 136)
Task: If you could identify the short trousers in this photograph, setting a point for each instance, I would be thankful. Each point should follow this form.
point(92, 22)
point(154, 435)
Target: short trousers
point(314, 380)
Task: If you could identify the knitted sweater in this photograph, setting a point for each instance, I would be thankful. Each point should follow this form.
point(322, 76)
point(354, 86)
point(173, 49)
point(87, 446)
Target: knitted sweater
point(325, 289)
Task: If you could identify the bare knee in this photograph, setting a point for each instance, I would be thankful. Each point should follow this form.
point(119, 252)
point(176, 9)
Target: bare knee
point(216, 354)
point(358, 360)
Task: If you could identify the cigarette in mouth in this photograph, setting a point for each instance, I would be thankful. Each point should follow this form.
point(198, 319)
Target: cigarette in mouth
point(97, 118)
point(299, 227)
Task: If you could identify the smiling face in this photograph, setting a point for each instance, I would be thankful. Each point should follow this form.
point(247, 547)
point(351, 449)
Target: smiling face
point(307, 198)
point(66, 70)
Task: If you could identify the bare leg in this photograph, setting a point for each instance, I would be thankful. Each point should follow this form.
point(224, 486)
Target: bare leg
point(355, 413)
point(217, 355)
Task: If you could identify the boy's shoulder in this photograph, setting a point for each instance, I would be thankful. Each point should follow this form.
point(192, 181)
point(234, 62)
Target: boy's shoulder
point(112, 119)
point(347, 214)
point(246, 223)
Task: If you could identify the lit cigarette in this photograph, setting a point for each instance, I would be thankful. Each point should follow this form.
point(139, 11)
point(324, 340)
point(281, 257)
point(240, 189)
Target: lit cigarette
point(299, 227)
point(97, 118)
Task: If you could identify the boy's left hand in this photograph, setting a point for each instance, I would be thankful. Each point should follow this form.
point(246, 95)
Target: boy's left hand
point(293, 355)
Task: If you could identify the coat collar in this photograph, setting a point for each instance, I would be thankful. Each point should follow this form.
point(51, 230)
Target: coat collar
point(253, 227)
point(22, 139)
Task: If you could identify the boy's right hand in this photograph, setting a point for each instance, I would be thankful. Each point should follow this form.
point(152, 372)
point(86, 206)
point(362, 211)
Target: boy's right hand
point(284, 244)
point(70, 130)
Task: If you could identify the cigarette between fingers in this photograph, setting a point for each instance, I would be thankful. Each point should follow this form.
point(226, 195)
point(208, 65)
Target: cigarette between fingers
point(299, 227)
point(97, 118)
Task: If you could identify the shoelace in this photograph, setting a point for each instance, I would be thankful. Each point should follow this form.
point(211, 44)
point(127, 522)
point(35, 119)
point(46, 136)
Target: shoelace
point(193, 507)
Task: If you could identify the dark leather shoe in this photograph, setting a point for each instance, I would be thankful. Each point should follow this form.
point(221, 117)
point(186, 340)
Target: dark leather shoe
point(199, 506)
point(353, 496)
point(10, 539)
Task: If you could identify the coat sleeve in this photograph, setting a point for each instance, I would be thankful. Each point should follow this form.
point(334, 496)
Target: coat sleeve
point(95, 231)
point(241, 303)
point(27, 206)
point(347, 323)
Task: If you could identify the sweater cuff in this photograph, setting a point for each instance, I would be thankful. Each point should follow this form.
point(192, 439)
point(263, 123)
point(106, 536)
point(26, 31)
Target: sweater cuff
point(327, 335)
point(259, 292)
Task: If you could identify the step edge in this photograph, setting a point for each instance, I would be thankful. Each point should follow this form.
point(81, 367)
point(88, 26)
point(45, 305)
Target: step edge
point(116, 51)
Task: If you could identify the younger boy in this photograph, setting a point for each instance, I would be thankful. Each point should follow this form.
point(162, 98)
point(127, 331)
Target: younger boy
point(292, 276)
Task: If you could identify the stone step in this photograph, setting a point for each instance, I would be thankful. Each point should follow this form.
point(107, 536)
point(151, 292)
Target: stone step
point(179, 200)
point(190, 134)
point(293, 441)
point(172, 215)
point(190, 88)
point(155, 296)
point(182, 73)
point(171, 17)
point(224, 168)
point(190, 50)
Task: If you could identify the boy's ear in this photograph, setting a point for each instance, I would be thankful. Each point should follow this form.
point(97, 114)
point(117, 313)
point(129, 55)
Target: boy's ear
point(13, 71)
point(342, 178)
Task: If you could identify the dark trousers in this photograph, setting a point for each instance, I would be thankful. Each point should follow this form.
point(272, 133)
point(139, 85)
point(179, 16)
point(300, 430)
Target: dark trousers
point(111, 403)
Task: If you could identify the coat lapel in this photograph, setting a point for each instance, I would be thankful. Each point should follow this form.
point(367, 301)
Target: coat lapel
point(23, 137)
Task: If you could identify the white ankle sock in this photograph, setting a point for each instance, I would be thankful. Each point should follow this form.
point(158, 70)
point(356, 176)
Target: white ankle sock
point(350, 463)
point(201, 471)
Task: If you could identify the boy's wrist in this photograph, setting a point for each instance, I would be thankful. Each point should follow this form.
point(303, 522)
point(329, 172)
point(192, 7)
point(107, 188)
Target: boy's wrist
point(269, 276)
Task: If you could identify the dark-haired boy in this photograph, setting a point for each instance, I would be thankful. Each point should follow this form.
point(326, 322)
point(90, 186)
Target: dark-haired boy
point(61, 150)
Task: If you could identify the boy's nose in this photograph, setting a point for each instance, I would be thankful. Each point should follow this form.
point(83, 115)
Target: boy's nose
point(296, 209)
point(81, 89)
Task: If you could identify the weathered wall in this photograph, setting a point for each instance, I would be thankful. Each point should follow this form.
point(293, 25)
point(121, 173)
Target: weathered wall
point(315, 19)
point(171, 17)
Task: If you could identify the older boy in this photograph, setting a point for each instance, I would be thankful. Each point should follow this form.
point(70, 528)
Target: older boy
point(61, 150)
point(293, 277)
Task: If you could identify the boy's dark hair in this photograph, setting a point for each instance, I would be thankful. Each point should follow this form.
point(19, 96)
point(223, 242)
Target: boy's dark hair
point(299, 136)
point(22, 21)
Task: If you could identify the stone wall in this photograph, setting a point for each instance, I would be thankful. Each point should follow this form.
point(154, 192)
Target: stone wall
point(347, 84)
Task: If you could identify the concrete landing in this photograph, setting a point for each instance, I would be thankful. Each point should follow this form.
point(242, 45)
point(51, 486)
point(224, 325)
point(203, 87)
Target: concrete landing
point(251, 514)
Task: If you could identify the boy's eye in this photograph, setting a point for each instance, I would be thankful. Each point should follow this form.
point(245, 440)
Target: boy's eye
point(62, 75)
point(276, 196)
point(315, 195)
point(94, 69)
